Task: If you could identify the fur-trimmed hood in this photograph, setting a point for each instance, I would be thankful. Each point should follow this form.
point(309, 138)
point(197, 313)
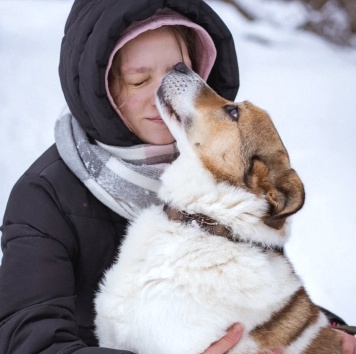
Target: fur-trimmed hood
point(91, 32)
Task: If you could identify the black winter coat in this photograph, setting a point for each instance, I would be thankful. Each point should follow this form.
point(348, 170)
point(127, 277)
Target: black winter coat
point(57, 237)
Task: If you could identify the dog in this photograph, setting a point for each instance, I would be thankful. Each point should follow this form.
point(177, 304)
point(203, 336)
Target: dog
point(212, 254)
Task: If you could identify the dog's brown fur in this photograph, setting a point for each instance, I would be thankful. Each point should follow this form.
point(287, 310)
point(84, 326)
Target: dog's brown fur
point(327, 338)
point(281, 329)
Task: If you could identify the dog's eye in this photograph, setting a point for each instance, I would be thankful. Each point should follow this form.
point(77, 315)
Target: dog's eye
point(233, 112)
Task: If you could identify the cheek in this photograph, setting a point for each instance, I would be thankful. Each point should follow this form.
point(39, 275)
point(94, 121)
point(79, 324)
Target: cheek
point(137, 99)
point(131, 104)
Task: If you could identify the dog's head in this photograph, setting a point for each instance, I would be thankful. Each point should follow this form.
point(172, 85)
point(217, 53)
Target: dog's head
point(236, 142)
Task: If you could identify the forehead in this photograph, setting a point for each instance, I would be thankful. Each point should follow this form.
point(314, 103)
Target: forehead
point(153, 43)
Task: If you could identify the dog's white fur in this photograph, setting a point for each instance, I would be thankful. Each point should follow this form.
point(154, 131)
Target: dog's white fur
point(175, 289)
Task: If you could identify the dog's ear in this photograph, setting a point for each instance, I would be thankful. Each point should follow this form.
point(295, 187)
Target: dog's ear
point(282, 188)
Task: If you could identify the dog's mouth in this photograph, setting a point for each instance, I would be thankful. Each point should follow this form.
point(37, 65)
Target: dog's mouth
point(167, 105)
point(174, 113)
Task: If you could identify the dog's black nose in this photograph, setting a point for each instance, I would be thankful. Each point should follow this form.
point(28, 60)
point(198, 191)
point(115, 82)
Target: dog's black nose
point(181, 67)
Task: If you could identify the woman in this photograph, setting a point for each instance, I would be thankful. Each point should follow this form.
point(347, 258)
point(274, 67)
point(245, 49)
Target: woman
point(67, 214)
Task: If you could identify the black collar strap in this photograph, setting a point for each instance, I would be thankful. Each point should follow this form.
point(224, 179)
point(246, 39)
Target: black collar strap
point(212, 227)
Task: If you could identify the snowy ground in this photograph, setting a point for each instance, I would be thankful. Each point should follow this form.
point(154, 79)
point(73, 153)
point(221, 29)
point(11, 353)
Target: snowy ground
point(307, 85)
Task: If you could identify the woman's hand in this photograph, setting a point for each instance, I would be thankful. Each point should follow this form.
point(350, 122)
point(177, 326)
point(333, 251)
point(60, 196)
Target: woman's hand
point(232, 336)
point(348, 343)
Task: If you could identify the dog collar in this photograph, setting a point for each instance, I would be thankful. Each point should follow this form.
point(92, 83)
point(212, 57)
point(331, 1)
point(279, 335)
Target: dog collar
point(213, 227)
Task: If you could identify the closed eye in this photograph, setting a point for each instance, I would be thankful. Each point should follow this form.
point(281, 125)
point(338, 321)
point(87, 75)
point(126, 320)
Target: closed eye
point(232, 111)
point(137, 84)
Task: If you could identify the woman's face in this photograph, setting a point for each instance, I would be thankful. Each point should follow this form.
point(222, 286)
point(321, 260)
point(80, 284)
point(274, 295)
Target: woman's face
point(144, 61)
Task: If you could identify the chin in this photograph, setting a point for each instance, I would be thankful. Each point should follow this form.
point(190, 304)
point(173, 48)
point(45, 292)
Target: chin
point(160, 138)
point(162, 141)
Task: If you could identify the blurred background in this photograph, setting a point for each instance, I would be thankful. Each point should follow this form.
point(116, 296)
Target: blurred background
point(297, 60)
point(333, 20)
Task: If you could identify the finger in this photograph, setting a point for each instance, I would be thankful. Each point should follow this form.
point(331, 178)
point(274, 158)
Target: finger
point(348, 343)
point(348, 347)
point(232, 336)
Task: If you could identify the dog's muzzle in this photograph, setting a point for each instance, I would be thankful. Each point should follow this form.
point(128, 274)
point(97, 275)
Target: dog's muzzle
point(178, 90)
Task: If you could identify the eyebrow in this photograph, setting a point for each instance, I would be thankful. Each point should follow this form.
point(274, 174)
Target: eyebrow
point(136, 70)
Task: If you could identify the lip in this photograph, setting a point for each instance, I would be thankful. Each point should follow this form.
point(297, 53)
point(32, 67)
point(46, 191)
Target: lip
point(157, 120)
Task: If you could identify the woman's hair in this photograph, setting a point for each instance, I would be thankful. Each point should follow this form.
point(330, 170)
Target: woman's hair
point(181, 33)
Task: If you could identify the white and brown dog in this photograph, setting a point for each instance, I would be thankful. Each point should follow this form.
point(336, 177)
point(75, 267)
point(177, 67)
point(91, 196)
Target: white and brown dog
point(213, 255)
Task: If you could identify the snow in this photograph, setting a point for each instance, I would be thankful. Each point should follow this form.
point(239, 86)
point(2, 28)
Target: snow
point(289, 14)
point(306, 84)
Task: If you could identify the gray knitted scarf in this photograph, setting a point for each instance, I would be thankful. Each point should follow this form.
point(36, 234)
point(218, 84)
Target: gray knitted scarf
point(126, 179)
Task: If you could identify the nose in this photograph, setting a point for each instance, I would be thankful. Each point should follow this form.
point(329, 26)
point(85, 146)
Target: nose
point(181, 67)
